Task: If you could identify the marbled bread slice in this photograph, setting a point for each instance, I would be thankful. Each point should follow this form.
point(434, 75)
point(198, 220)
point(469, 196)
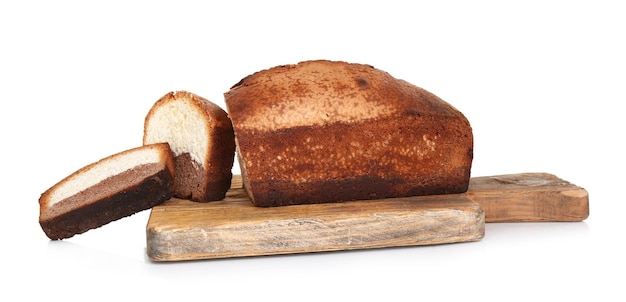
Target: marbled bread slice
point(112, 188)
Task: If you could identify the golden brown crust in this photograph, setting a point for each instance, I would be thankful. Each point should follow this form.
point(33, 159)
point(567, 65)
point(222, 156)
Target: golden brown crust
point(323, 131)
point(315, 93)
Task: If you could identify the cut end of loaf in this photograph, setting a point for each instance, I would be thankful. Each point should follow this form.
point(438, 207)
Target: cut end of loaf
point(179, 120)
point(202, 139)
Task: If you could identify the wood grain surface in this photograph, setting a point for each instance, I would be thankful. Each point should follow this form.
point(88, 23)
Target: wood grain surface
point(185, 230)
point(529, 197)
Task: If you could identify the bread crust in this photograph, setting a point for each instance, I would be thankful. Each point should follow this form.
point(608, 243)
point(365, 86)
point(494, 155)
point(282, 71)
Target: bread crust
point(326, 131)
point(209, 179)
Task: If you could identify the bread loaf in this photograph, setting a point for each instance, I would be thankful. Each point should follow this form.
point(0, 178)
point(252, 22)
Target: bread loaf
point(202, 139)
point(109, 189)
point(327, 131)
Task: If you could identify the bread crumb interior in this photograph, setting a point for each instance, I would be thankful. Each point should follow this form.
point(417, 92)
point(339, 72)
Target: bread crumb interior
point(183, 126)
point(105, 168)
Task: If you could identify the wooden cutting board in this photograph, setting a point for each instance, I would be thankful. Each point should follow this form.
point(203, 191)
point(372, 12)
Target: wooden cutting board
point(184, 230)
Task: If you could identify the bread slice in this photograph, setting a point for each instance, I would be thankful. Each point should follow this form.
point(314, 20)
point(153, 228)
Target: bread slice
point(201, 136)
point(328, 131)
point(109, 189)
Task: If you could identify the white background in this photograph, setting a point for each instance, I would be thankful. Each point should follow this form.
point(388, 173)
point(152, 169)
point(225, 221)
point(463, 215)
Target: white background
point(542, 83)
